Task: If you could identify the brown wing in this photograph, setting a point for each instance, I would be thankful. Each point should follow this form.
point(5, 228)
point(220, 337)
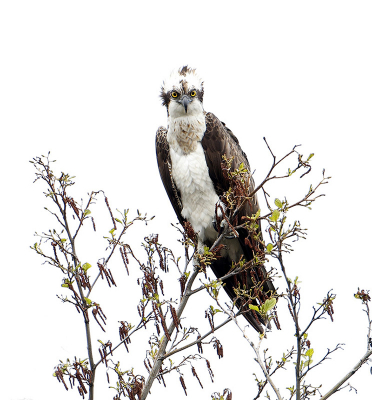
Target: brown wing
point(165, 170)
point(218, 140)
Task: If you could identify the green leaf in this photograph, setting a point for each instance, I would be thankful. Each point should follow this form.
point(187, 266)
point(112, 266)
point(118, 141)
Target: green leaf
point(64, 285)
point(268, 305)
point(310, 156)
point(278, 203)
point(291, 389)
point(87, 212)
point(275, 215)
point(86, 266)
point(88, 301)
point(269, 247)
point(252, 307)
point(309, 353)
point(118, 220)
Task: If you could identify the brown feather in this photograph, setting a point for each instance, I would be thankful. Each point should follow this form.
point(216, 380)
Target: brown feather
point(217, 141)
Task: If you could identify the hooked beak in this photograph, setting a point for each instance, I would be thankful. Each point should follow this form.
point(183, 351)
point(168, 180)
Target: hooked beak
point(185, 101)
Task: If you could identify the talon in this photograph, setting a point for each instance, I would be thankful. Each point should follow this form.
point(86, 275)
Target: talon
point(232, 236)
point(214, 223)
point(223, 227)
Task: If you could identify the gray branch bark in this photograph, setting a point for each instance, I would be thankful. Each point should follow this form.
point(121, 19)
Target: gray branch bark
point(164, 342)
point(347, 376)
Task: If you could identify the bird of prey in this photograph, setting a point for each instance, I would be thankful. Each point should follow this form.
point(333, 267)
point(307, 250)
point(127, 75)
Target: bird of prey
point(189, 154)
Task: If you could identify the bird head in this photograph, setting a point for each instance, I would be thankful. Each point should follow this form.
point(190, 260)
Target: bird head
point(182, 93)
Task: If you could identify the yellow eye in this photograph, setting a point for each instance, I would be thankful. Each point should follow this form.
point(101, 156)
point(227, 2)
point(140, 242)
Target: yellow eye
point(193, 93)
point(174, 95)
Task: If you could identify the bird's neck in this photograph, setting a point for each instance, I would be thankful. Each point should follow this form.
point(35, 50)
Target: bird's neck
point(185, 132)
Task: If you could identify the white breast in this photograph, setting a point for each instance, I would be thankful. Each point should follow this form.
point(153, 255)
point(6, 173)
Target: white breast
point(190, 173)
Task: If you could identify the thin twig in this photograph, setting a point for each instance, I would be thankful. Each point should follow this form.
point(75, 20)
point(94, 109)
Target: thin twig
point(164, 341)
point(198, 340)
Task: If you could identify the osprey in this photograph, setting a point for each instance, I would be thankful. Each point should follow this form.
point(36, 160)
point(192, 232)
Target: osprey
point(189, 155)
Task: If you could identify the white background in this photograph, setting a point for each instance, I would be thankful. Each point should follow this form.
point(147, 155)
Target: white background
point(81, 79)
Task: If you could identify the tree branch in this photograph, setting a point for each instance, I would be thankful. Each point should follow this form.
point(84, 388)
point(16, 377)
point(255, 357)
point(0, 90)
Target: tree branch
point(164, 341)
point(347, 376)
point(198, 340)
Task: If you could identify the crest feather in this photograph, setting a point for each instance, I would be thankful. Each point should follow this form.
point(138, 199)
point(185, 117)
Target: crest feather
point(177, 77)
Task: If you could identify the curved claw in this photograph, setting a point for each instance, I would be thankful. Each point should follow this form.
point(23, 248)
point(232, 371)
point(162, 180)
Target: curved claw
point(223, 226)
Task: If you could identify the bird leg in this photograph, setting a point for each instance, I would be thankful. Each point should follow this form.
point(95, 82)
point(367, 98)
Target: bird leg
point(220, 223)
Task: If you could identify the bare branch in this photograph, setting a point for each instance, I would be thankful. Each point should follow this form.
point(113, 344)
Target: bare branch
point(199, 340)
point(155, 369)
point(348, 375)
